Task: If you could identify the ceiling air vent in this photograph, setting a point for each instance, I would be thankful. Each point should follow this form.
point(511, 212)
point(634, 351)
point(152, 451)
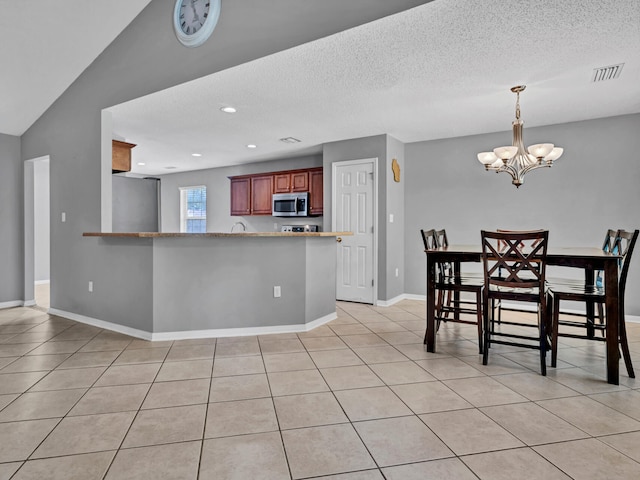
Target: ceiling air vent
point(289, 140)
point(607, 73)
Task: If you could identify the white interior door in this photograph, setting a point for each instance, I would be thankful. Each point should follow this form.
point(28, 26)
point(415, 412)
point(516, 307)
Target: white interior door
point(354, 205)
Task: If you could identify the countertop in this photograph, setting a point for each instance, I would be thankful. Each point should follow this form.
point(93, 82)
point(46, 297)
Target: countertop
point(216, 234)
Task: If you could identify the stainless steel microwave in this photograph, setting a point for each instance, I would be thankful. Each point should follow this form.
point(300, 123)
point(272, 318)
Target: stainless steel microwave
point(290, 204)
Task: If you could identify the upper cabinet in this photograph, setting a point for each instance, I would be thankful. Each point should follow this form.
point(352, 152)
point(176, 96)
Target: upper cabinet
point(316, 186)
point(287, 182)
point(261, 192)
point(251, 194)
point(120, 156)
point(240, 196)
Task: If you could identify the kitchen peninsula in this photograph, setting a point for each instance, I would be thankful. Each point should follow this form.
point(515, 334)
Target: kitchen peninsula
point(227, 284)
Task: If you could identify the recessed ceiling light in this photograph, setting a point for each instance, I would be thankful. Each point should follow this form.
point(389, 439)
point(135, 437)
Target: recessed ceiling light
point(196, 154)
point(251, 145)
point(170, 168)
point(142, 164)
point(228, 110)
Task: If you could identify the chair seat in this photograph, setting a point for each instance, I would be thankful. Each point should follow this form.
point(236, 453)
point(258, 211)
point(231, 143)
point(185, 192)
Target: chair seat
point(460, 283)
point(577, 292)
point(570, 282)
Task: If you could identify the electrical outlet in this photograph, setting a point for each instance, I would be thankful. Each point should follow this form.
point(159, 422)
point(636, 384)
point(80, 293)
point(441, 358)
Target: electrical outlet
point(391, 218)
point(90, 286)
point(397, 272)
point(63, 217)
point(277, 291)
point(275, 227)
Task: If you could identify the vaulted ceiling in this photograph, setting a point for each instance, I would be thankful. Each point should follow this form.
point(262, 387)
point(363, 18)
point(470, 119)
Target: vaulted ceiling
point(439, 70)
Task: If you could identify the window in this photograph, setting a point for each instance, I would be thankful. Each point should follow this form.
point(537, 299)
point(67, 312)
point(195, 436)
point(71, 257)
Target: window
point(193, 209)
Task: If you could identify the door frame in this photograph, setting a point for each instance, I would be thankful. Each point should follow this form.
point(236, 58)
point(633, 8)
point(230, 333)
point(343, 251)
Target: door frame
point(374, 243)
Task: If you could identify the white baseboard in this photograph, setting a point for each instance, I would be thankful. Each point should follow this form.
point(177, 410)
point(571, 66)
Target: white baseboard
point(13, 303)
point(244, 331)
point(133, 332)
point(399, 298)
point(191, 334)
point(42, 282)
point(17, 303)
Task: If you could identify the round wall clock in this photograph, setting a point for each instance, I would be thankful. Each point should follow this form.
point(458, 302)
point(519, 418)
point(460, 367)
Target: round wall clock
point(194, 20)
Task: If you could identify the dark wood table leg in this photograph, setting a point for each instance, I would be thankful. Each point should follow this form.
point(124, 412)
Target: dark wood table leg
point(589, 279)
point(456, 293)
point(431, 304)
point(611, 289)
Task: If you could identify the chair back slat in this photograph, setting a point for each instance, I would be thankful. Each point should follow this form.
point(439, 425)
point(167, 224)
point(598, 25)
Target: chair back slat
point(441, 238)
point(514, 259)
point(626, 243)
point(429, 239)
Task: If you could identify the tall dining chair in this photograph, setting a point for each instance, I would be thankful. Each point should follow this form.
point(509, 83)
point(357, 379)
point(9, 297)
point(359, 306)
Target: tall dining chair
point(514, 265)
point(610, 244)
point(623, 245)
point(449, 283)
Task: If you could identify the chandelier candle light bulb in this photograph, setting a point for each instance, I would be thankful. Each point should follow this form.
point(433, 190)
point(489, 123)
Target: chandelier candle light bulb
point(514, 159)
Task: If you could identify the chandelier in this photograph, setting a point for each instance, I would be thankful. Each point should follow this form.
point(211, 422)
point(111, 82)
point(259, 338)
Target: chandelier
point(515, 160)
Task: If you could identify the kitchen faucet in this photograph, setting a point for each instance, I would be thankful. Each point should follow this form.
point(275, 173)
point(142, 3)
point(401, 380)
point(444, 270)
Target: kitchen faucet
point(244, 227)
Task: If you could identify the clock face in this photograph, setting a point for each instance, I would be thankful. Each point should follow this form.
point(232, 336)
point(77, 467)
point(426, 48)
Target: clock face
point(193, 14)
point(194, 20)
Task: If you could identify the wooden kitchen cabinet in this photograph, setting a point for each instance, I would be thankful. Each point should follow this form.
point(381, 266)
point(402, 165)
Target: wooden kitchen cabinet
point(261, 192)
point(241, 196)
point(121, 156)
point(300, 182)
point(282, 183)
point(316, 191)
point(287, 182)
point(251, 194)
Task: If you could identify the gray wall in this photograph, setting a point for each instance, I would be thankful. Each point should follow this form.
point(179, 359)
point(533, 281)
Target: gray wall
point(144, 59)
point(11, 223)
point(592, 187)
point(41, 220)
point(218, 196)
point(395, 230)
point(135, 204)
point(218, 283)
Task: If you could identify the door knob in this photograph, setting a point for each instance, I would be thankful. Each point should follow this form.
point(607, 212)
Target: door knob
point(339, 239)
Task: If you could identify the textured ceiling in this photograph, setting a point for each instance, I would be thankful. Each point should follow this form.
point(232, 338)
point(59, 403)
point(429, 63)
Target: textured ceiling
point(46, 45)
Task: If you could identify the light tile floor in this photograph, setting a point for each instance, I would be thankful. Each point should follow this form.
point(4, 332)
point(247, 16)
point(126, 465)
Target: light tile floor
point(357, 399)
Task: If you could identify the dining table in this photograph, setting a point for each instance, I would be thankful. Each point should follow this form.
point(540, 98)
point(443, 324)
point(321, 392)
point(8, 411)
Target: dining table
point(590, 259)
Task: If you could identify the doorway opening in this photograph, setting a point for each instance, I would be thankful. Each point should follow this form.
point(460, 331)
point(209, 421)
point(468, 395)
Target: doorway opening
point(37, 236)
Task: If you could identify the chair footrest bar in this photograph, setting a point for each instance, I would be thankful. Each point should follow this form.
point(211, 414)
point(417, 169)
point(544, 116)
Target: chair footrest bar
point(513, 335)
point(512, 344)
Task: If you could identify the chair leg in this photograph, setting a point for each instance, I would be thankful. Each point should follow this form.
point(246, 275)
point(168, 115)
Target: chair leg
point(542, 320)
point(601, 316)
point(554, 330)
point(487, 331)
point(622, 330)
point(480, 320)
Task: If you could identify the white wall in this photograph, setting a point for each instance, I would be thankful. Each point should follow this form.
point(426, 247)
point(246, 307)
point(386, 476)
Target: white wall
point(41, 227)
